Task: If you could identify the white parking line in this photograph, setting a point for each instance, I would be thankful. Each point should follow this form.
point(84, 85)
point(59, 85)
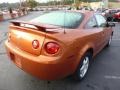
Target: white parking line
point(116, 39)
point(112, 77)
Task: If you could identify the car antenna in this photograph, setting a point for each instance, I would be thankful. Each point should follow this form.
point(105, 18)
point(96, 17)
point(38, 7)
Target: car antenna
point(64, 18)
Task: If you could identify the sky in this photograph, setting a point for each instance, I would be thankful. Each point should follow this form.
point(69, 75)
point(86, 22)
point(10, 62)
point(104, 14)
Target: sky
point(13, 1)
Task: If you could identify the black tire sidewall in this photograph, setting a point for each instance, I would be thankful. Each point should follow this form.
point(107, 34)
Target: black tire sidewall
point(108, 44)
point(77, 74)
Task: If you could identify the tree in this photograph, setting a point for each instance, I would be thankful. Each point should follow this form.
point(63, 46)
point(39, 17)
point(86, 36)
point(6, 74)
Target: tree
point(112, 0)
point(32, 3)
point(90, 0)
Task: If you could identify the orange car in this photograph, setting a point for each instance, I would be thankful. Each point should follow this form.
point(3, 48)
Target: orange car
point(58, 44)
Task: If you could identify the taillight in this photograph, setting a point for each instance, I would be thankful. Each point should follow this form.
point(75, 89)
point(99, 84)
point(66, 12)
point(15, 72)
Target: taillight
point(52, 47)
point(35, 44)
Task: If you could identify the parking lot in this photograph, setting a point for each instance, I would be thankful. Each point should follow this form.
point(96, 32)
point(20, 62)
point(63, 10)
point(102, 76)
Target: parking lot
point(104, 73)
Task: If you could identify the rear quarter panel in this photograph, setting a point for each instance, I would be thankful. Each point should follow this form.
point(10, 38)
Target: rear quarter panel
point(73, 44)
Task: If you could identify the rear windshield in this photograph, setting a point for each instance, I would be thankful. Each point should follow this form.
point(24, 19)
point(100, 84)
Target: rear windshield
point(60, 18)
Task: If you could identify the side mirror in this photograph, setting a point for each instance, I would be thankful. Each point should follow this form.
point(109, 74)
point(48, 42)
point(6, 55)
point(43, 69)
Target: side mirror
point(110, 24)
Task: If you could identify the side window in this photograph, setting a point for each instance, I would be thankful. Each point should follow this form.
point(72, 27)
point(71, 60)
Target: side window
point(101, 21)
point(91, 23)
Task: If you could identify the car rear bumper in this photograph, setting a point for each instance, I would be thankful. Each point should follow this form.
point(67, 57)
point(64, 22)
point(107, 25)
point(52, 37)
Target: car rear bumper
point(40, 66)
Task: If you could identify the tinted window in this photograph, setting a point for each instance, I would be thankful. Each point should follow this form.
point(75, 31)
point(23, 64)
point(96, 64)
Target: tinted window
point(63, 19)
point(101, 21)
point(91, 23)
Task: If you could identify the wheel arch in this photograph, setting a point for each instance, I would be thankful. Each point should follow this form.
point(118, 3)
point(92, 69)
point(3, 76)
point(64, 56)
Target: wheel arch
point(82, 52)
point(87, 48)
point(90, 50)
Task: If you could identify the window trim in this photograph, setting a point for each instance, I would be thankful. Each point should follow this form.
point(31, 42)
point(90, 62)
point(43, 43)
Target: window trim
point(93, 16)
point(97, 21)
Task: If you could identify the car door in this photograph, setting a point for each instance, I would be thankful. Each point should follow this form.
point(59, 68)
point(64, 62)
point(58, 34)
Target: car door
point(105, 31)
point(96, 33)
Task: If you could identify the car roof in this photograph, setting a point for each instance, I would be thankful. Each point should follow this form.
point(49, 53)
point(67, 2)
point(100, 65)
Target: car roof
point(80, 11)
point(85, 12)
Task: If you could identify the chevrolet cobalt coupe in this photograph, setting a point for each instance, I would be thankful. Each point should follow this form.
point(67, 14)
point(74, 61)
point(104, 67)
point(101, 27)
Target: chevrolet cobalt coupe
point(58, 44)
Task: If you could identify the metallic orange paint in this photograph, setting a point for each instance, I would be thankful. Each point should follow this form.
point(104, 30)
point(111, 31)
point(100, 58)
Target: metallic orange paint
point(73, 45)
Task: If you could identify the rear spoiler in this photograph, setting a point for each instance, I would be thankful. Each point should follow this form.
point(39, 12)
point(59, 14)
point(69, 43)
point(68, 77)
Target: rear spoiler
point(39, 26)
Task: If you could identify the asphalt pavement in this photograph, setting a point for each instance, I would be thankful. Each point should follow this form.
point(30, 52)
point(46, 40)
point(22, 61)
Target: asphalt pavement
point(104, 73)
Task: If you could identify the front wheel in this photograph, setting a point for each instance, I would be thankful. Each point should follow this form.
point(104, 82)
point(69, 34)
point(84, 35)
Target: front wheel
point(109, 41)
point(83, 67)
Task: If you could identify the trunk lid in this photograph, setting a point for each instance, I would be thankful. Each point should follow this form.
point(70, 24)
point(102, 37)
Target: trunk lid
point(22, 34)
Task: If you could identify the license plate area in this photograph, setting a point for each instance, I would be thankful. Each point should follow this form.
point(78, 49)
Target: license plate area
point(16, 59)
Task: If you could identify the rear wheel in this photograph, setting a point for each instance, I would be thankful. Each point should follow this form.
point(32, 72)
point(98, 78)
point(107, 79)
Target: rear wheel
point(83, 67)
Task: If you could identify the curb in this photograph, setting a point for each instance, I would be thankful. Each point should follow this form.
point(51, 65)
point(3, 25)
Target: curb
point(13, 15)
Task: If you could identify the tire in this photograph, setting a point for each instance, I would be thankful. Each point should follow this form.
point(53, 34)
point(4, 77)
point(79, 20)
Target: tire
point(109, 41)
point(83, 67)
